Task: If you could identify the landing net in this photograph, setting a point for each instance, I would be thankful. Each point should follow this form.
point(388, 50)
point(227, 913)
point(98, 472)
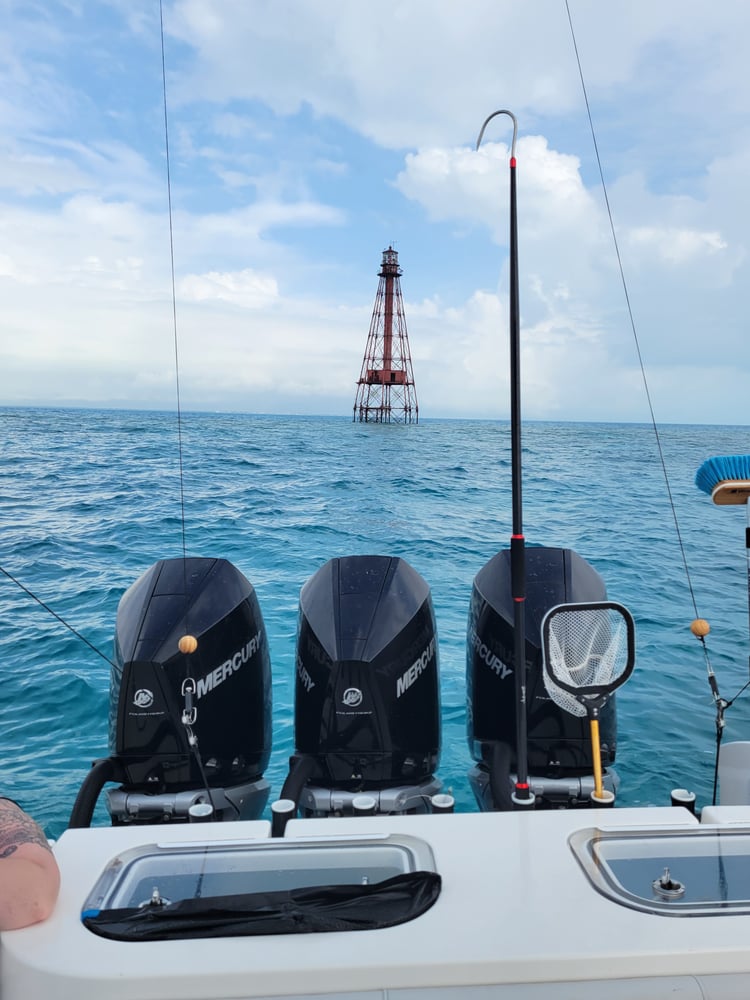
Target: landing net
point(587, 650)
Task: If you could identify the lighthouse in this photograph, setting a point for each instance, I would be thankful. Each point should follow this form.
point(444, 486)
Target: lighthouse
point(386, 393)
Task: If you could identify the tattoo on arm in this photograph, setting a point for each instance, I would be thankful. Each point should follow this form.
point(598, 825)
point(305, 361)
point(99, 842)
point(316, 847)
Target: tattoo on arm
point(17, 828)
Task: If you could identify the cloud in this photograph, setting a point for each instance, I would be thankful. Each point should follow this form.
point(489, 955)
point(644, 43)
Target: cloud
point(244, 288)
point(359, 63)
point(678, 245)
point(467, 184)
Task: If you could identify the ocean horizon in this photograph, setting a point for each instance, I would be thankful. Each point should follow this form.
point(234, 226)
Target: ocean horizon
point(171, 411)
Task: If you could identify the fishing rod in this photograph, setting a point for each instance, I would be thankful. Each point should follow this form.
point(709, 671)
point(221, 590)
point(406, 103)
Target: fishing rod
point(522, 795)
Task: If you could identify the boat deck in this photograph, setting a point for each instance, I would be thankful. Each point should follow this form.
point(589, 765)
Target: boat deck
point(517, 917)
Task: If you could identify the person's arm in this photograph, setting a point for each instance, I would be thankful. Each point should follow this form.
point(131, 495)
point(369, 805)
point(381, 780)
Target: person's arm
point(29, 876)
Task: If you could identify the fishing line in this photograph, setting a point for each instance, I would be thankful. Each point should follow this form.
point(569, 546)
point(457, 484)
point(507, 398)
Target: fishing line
point(189, 716)
point(720, 703)
point(54, 614)
point(5, 572)
point(174, 316)
point(638, 348)
point(189, 709)
point(174, 293)
point(192, 739)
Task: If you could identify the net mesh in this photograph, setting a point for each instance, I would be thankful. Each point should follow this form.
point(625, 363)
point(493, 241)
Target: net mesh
point(585, 648)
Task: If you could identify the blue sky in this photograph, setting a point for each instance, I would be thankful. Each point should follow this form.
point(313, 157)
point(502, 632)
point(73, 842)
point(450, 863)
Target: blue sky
point(306, 137)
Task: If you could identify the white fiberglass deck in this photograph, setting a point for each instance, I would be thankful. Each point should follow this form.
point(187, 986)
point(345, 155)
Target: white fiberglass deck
point(517, 917)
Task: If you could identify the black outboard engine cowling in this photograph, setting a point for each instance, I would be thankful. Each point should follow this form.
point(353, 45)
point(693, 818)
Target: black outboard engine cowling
point(367, 695)
point(560, 760)
point(231, 674)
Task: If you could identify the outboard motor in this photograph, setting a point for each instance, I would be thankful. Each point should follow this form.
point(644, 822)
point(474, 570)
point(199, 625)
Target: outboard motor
point(367, 692)
point(188, 728)
point(560, 762)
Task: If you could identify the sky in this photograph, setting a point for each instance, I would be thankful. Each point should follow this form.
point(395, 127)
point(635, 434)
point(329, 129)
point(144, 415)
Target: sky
point(306, 137)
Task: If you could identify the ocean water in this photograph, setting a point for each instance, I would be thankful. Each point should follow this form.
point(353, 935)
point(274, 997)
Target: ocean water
point(90, 499)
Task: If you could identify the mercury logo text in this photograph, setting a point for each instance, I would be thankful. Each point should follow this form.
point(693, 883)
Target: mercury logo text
point(492, 661)
point(304, 677)
point(228, 667)
point(406, 680)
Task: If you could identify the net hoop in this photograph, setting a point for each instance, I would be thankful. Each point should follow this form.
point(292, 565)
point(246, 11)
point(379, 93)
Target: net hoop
point(588, 652)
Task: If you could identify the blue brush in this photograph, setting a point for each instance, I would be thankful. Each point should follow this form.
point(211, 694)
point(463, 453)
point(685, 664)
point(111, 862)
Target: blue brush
point(725, 478)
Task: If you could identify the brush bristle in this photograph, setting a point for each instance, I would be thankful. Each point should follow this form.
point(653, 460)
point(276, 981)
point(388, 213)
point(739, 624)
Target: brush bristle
point(722, 469)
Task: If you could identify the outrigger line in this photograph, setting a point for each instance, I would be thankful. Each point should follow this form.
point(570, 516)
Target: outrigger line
point(522, 796)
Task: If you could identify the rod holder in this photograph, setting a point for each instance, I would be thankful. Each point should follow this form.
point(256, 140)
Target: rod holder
point(282, 810)
point(528, 803)
point(201, 812)
point(683, 797)
point(364, 805)
point(442, 803)
point(603, 801)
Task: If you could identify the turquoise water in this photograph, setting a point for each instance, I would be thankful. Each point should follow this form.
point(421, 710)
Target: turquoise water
point(91, 499)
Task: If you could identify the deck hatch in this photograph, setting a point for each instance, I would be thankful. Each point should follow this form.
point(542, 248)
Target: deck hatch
point(232, 888)
point(671, 872)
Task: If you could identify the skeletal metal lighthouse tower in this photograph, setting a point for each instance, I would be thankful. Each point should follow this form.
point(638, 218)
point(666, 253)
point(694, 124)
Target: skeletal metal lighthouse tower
point(385, 389)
